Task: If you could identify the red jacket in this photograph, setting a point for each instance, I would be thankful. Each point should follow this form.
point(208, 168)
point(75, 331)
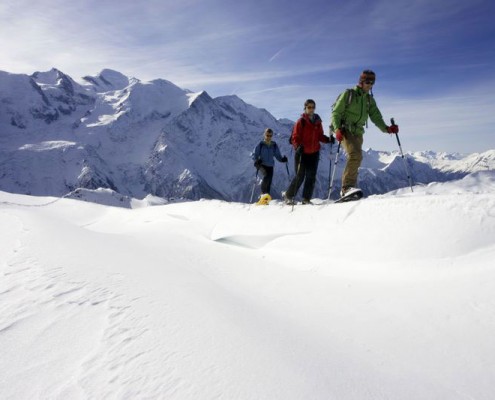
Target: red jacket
point(309, 134)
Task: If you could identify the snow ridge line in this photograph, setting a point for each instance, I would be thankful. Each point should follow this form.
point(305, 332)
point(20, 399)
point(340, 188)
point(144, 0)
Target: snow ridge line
point(8, 203)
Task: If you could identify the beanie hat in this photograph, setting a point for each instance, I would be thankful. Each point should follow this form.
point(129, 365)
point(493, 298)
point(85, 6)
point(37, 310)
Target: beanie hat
point(367, 74)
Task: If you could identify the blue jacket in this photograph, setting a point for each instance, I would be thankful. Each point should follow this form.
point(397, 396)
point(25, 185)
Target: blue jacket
point(265, 153)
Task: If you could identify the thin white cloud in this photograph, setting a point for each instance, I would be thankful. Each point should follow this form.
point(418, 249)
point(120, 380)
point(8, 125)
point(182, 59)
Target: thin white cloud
point(276, 55)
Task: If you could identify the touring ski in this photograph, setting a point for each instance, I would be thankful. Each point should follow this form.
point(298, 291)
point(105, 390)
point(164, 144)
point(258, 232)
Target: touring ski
point(264, 200)
point(352, 195)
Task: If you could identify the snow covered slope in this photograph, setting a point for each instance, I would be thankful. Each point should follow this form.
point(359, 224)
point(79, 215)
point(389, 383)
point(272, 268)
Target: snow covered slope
point(139, 138)
point(387, 298)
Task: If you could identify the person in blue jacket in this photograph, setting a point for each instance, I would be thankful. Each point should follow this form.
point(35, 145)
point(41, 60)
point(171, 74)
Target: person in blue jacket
point(263, 156)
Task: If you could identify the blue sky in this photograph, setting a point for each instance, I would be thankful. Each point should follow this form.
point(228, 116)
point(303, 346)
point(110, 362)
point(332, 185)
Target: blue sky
point(434, 60)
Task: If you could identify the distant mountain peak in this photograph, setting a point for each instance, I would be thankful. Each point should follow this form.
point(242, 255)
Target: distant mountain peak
point(109, 79)
point(199, 98)
point(48, 77)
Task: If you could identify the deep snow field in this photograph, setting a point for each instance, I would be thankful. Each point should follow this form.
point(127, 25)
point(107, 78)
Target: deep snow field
point(392, 297)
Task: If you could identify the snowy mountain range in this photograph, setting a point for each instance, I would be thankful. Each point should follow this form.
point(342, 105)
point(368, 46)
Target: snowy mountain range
point(138, 139)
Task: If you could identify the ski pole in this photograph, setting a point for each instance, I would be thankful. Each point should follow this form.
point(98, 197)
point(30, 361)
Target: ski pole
point(254, 185)
point(287, 168)
point(330, 168)
point(297, 178)
point(334, 169)
point(403, 158)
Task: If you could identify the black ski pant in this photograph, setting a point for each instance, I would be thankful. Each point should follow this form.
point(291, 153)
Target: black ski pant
point(266, 183)
point(306, 168)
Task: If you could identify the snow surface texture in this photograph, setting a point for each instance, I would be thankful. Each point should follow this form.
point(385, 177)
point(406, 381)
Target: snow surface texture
point(390, 297)
point(153, 138)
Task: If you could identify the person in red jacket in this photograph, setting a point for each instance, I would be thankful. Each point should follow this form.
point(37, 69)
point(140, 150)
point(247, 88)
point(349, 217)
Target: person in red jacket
point(306, 137)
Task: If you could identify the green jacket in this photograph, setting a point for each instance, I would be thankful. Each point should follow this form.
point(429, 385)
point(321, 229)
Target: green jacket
point(355, 115)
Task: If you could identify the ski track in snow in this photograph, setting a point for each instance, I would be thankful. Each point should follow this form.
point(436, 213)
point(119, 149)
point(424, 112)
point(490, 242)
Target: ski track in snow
point(213, 300)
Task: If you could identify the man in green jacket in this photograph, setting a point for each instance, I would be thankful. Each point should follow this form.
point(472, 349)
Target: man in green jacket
point(349, 116)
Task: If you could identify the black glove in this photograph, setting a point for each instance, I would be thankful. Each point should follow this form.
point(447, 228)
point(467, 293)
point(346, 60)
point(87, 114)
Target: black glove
point(257, 164)
point(284, 159)
point(299, 150)
point(331, 139)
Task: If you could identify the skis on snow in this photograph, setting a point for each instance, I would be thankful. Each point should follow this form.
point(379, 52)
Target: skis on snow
point(351, 195)
point(264, 200)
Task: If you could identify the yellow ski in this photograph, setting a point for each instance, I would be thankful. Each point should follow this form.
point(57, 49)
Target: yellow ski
point(264, 200)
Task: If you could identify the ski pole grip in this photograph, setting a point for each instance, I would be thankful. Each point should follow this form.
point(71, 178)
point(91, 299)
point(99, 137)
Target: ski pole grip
point(392, 121)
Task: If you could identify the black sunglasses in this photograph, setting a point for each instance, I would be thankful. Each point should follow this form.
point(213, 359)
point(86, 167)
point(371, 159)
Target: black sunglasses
point(369, 82)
